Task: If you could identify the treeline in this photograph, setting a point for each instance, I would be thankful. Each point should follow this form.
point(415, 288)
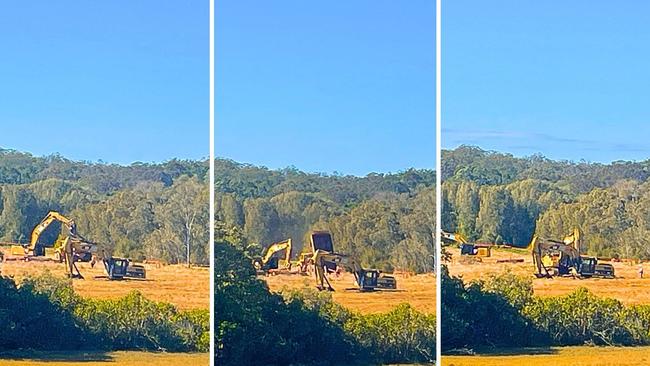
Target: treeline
point(502, 311)
point(386, 220)
point(44, 313)
point(305, 327)
point(137, 211)
point(499, 198)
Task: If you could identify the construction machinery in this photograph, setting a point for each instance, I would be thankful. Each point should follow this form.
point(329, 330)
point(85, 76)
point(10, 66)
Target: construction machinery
point(366, 279)
point(561, 258)
point(121, 268)
point(271, 261)
point(470, 249)
point(83, 249)
point(70, 248)
point(325, 260)
point(318, 240)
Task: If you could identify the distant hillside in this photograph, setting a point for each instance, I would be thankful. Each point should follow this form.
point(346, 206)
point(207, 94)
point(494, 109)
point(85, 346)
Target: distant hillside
point(134, 210)
point(386, 220)
point(496, 197)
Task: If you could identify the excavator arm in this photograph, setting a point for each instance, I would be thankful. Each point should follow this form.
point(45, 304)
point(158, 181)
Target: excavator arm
point(277, 247)
point(264, 263)
point(46, 222)
point(453, 237)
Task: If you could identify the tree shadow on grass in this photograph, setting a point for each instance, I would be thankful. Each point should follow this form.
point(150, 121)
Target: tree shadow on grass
point(56, 356)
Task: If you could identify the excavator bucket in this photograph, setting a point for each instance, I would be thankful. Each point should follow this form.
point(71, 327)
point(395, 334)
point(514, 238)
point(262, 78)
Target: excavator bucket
point(322, 240)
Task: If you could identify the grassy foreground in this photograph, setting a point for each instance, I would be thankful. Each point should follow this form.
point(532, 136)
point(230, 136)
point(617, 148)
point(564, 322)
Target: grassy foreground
point(558, 356)
point(128, 358)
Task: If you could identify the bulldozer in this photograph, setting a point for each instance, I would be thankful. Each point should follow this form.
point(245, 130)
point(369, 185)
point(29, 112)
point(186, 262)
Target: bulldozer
point(270, 261)
point(561, 258)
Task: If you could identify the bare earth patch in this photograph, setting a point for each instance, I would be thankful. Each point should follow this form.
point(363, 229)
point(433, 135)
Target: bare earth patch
point(418, 290)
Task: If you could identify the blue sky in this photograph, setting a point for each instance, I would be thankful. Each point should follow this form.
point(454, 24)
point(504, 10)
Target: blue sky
point(345, 86)
point(569, 79)
point(120, 81)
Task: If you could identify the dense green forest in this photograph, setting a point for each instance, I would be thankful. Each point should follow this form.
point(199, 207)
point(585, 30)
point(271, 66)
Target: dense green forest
point(501, 311)
point(385, 220)
point(498, 198)
point(139, 211)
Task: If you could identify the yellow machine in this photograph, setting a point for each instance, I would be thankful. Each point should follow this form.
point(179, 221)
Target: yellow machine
point(83, 250)
point(72, 248)
point(317, 240)
point(559, 258)
point(466, 248)
point(270, 260)
point(366, 279)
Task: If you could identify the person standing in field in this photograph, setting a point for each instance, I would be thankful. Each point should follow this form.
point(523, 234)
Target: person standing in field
point(640, 270)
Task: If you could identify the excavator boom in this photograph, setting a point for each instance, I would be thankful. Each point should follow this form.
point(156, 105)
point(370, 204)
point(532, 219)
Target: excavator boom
point(266, 262)
point(46, 222)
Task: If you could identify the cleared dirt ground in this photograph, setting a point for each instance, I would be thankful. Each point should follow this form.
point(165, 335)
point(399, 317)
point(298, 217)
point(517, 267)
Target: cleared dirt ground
point(187, 288)
point(101, 359)
point(627, 287)
point(560, 356)
point(419, 291)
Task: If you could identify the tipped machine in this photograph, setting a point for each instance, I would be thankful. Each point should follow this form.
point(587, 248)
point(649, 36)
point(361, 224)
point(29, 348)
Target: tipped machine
point(325, 259)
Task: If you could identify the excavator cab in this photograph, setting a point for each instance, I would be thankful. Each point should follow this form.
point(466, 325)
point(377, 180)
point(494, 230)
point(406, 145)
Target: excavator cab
point(116, 268)
point(121, 268)
point(367, 280)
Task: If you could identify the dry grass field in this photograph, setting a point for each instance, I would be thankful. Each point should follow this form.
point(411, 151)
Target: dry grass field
point(560, 356)
point(187, 288)
point(627, 287)
point(419, 291)
point(103, 359)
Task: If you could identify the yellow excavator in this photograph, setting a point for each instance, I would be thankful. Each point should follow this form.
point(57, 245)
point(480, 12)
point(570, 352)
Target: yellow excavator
point(466, 248)
point(560, 258)
point(366, 279)
point(72, 248)
point(271, 261)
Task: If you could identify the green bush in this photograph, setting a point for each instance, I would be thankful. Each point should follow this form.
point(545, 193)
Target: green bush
point(44, 312)
point(401, 335)
point(249, 317)
point(578, 318)
point(29, 319)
